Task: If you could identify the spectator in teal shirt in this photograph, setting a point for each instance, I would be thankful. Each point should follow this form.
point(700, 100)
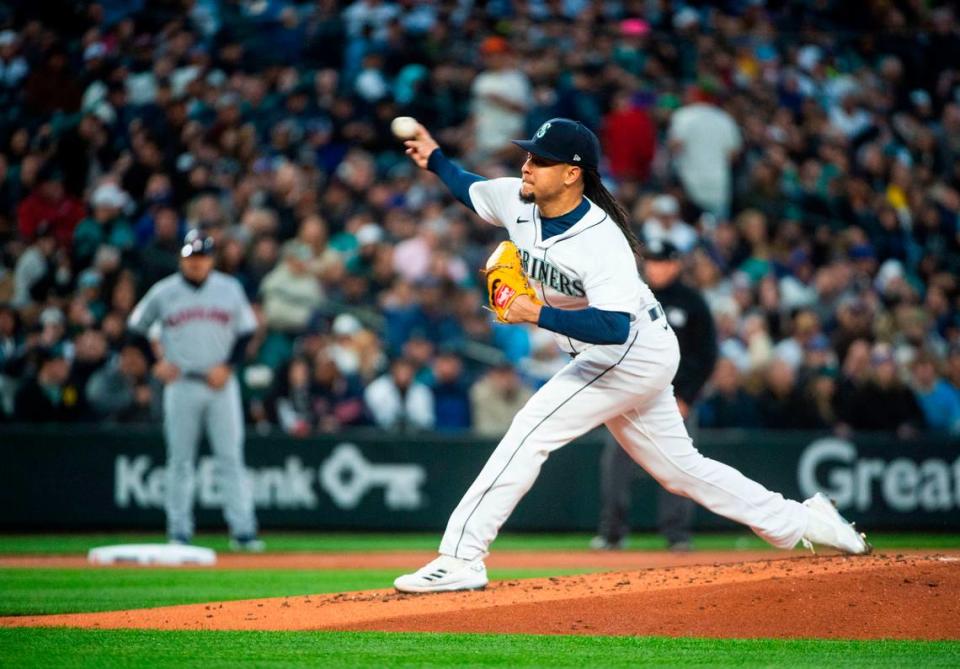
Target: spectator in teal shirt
point(107, 225)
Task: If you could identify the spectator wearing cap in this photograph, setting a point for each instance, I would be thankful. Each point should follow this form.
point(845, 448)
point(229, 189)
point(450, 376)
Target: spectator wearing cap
point(883, 402)
point(704, 140)
point(50, 206)
point(107, 225)
point(665, 224)
point(495, 399)
point(939, 400)
point(399, 403)
point(291, 292)
point(345, 348)
point(500, 95)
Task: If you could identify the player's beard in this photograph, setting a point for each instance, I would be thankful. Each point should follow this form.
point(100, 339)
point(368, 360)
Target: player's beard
point(529, 199)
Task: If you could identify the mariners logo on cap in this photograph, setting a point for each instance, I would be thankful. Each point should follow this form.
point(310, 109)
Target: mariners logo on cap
point(543, 130)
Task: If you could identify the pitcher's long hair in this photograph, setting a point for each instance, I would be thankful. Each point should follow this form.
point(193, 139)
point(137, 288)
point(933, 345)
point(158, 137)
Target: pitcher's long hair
point(594, 189)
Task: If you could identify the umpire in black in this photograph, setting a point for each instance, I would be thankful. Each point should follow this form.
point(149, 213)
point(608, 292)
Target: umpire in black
point(688, 314)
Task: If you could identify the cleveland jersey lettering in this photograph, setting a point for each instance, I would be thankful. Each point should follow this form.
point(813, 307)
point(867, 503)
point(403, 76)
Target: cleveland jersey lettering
point(199, 325)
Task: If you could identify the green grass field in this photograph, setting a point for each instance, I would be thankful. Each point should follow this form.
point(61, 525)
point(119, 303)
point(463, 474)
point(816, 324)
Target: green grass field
point(37, 591)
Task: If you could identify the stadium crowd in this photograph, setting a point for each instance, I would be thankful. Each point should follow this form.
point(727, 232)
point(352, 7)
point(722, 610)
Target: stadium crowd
point(803, 155)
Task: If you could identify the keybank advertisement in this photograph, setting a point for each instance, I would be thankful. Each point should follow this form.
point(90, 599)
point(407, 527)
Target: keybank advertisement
point(106, 479)
point(898, 484)
point(346, 477)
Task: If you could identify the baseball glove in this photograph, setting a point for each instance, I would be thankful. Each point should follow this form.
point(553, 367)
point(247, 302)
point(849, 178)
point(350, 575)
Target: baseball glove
point(506, 280)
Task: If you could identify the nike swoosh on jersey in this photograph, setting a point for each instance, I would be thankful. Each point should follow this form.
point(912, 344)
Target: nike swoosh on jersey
point(522, 220)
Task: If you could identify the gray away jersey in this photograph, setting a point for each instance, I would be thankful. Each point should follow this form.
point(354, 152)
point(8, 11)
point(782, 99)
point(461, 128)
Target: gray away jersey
point(198, 326)
point(588, 265)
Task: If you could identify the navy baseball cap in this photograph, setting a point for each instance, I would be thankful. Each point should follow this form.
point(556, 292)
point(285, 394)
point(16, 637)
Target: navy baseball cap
point(564, 141)
point(196, 243)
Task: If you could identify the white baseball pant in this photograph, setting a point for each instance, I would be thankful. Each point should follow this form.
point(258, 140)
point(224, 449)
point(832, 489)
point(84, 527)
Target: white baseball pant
point(189, 407)
point(627, 387)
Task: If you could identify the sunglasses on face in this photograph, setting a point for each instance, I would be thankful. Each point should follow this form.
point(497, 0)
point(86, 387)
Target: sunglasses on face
point(537, 161)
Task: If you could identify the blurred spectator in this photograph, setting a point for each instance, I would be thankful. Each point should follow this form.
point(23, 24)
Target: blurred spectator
point(500, 95)
point(939, 400)
point(629, 138)
point(294, 406)
point(397, 402)
point(792, 350)
point(704, 140)
point(49, 204)
point(665, 224)
point(161, 255)
point(33, 267)
point(728, 405)
point(10, 341)
point(451, 397)
point(122, 390)
point(48, 395)
point(107, 225)
point(783, 405)
point(337, 396)
point(883, 402)
point(291, 292)
point(496, 398)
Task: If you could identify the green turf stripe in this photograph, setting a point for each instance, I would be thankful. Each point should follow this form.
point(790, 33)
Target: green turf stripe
point(66, 544)
point(133, 648)
point(42, 591)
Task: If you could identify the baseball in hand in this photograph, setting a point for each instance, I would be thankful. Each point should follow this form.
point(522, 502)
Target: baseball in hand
point(404, 127)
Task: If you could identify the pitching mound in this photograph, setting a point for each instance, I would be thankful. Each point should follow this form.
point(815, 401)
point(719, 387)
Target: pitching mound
point(883, 596)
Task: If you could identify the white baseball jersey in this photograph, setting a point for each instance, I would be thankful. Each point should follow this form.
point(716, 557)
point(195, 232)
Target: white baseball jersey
point(198, 325)
point(588, 265)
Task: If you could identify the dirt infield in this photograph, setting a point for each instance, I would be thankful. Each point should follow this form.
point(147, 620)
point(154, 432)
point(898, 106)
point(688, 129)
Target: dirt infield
point(899, 596)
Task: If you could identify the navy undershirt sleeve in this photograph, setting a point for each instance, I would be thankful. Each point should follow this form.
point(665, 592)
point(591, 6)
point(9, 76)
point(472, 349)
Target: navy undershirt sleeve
point(594, 326)
point(239, 349)
point(457, 179)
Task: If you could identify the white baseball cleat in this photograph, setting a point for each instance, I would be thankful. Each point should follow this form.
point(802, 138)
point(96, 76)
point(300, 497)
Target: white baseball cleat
point(826, 527)
point(445, 574)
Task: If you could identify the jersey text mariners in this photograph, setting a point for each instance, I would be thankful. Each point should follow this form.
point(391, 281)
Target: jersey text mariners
point(596, 270)
point(198, 325)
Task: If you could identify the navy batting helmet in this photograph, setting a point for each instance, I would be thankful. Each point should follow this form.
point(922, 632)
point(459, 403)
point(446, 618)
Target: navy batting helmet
point(196, 243)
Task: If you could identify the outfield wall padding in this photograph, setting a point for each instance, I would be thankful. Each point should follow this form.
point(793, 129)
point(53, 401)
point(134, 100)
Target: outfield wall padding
point(83, 477)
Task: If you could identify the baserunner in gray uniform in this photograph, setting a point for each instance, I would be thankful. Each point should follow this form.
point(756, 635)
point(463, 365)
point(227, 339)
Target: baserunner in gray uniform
point(205, 323)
